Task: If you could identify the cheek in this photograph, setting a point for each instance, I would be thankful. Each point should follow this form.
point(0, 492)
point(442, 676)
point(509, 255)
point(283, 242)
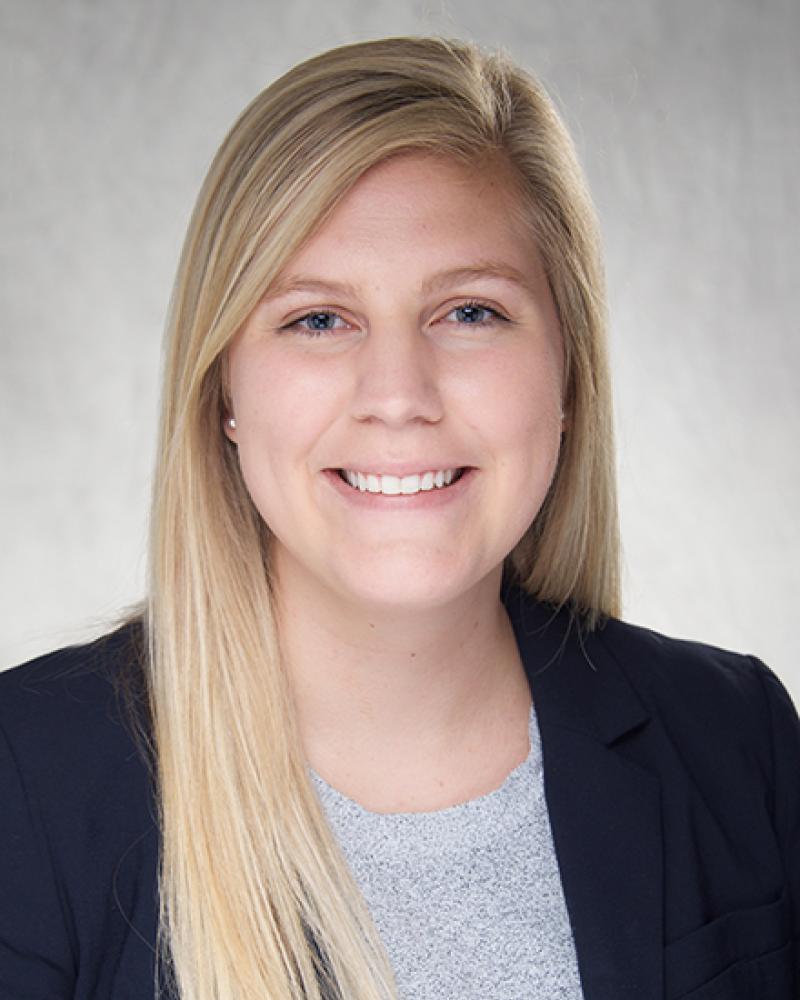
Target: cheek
point(281, 409)
point(524, 422)
point(267, 393)
point(515, 404)
point(276, 393)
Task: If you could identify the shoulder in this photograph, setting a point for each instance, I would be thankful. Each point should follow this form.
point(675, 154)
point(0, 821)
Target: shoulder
point(662, 661)
point(82, 704)
point(677, 700)
point(77, 825)
point(73, 732)
point(717, 700)
point(723, 735)
point(667, 669)
point(626, 672)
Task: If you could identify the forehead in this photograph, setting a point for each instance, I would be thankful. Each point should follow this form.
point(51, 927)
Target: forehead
point(422, 209)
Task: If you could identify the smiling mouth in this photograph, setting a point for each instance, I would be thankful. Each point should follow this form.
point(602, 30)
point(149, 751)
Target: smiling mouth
point(401, 485)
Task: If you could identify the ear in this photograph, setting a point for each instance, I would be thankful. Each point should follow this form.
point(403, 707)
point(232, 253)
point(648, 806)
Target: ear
point(229, 428)
point(228, 420)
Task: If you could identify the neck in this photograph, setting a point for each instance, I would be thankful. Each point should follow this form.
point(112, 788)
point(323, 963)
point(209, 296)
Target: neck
point(379, 688)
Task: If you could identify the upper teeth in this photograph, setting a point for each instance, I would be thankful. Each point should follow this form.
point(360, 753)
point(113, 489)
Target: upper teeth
point(393, 485)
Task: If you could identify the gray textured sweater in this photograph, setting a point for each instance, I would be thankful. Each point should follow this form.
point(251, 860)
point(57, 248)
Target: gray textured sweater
point(467, 900)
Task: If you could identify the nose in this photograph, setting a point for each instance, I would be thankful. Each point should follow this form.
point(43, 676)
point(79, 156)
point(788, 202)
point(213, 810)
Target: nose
point(397, 380)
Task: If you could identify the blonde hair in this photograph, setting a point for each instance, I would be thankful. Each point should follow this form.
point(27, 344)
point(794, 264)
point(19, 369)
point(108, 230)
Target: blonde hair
point(256, 898)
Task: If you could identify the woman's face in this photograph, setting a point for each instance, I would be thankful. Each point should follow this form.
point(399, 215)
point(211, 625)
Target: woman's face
point(413, 335)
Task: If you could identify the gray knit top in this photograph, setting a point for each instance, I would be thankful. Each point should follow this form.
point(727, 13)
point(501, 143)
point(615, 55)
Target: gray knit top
point(467, 900)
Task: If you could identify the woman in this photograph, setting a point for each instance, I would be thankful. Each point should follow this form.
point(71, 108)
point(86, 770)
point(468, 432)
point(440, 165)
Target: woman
point(378, 731)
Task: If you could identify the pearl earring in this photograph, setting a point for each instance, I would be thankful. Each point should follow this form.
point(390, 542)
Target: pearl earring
point(232, 423)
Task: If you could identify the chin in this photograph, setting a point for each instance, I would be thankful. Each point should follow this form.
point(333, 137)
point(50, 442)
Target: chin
point(406, 588)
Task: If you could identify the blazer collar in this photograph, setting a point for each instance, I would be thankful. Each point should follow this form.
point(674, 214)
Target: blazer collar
point(582, 686)
point(604, 810)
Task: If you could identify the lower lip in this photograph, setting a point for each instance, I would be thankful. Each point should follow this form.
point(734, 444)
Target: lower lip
point(423, 500)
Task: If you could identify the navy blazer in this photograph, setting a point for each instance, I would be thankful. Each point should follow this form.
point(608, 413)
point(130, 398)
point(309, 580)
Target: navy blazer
point(672, 777)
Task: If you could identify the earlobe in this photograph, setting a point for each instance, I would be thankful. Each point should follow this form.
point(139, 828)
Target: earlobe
point(229, 427)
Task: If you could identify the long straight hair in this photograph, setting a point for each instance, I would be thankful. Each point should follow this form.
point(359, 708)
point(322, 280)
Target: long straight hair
point(256, 898)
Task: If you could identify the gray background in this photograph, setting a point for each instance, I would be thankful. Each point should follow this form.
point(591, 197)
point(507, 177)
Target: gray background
point(685, 112)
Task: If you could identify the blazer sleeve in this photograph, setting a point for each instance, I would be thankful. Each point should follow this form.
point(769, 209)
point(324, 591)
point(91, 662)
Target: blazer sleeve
point(785, 791)
point(36, 954)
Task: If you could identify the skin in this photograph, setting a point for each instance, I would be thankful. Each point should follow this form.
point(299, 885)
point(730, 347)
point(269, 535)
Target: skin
point(408, 684)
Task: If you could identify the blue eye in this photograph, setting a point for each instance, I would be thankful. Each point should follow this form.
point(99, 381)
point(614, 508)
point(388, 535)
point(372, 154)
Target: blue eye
point(324, 321)
point(475, 314)
point(314, 324)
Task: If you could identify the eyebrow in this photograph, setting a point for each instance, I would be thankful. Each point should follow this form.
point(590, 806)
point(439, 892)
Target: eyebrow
point(435, 283)
point(483, 269)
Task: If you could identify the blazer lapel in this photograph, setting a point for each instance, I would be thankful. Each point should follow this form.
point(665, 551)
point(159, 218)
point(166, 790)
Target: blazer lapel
point(604, 809)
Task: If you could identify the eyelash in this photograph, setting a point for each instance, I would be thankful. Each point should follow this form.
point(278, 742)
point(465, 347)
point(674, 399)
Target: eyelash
point(494, 316)
point(304, 331)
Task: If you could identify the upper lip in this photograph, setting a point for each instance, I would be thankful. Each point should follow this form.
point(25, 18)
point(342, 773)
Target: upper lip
point(384, 468)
